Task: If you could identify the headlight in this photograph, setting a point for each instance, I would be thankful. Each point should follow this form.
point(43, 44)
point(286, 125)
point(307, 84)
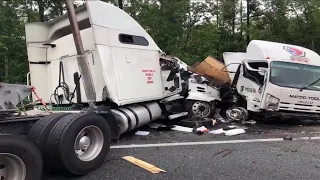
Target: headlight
point(272, 103)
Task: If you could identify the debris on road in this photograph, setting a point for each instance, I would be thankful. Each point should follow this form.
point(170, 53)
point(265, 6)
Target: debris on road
point(149, 167)
point(160, 127)
point(251, 122)
point(181, 128)
point(290, 138)
point(201, 130)
point(218, 131)
point(237, 127)
point(198, 122)
point(142, 133)
point(226, 151)
point(234, 132)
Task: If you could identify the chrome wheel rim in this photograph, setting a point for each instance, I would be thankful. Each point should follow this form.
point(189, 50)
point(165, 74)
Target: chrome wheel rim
point(89, 143)
point(237, 114)
point(201, 109)
point(12, 167)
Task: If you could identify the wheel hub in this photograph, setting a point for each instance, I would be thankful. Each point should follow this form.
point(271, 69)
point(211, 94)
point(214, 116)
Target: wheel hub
point(11, 167)
point(84, 142)
point(237, 114)
point(89, 143)
point(201, 109)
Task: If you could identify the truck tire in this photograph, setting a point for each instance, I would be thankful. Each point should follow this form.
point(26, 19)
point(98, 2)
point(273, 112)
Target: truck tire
point(79, 143)
point(198, 108)
point(20, 159)
point(40, 130)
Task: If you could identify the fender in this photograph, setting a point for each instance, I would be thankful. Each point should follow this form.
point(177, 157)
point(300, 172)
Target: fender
point(203, 92)
point(253, 104)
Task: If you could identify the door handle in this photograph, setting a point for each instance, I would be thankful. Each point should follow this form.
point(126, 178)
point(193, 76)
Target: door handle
point(127, 59)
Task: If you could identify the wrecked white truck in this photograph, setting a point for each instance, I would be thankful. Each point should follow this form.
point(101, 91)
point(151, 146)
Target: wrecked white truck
point(97, 74)
point(273, 80)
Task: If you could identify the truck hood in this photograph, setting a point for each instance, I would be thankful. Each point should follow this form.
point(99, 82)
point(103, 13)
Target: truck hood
point(304, 97)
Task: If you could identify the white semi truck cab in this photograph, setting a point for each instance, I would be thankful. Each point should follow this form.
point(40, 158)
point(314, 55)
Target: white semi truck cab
point(277, 80)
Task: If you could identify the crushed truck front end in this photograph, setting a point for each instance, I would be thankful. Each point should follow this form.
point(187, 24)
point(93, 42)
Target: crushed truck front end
point(280, 80)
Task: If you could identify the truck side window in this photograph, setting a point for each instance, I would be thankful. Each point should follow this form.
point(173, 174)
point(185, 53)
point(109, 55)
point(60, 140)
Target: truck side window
point(253, 75)
point(131, 39)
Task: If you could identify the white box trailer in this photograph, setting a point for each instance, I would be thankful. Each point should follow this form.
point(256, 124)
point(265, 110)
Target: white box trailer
point(276, 80)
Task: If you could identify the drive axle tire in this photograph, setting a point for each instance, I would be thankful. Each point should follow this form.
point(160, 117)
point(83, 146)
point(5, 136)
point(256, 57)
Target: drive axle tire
point(40, 130)
point(19, 159)
point(79, 143)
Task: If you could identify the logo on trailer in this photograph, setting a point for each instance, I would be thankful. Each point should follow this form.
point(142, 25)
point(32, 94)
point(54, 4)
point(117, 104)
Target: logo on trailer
point(294, 51)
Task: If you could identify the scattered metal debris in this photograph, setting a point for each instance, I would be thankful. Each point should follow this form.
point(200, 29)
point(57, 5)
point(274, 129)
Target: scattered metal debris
point(226, 151)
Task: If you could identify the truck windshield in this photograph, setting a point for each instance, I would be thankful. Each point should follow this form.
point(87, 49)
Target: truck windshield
point(294, 75)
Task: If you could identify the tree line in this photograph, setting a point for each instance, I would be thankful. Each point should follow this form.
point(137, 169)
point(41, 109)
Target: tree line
point(188, 29)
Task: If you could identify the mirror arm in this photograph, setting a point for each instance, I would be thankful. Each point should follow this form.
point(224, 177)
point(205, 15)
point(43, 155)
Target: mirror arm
point(249, 67)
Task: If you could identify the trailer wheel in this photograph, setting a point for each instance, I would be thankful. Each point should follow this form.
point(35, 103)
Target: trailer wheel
point(19, 159)
point(198, 108)
point(79, 143)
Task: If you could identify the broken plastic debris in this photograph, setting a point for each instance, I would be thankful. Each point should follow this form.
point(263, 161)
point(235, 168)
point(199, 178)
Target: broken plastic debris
point(181, 128)
point(237, 127)
point(202, 129)
point(142, 133)
point(143, 164)
point(234, 132)
point(218, 131)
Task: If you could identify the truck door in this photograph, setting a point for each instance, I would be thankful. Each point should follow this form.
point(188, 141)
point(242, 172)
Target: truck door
point(138, 70)
point(251, 83)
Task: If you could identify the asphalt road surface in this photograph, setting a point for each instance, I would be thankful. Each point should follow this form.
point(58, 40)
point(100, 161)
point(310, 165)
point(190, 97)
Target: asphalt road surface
point(265, 151)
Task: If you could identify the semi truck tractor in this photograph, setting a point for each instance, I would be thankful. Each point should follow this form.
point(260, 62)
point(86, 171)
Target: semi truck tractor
point(95, 74)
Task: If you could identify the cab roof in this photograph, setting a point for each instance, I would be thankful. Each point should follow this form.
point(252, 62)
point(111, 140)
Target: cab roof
point(258, 50)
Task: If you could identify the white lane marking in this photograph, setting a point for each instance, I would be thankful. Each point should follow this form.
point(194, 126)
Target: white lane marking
point(209, 142)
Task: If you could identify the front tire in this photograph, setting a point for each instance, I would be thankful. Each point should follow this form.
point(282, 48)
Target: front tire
point(79, 143)
point(19, 159)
